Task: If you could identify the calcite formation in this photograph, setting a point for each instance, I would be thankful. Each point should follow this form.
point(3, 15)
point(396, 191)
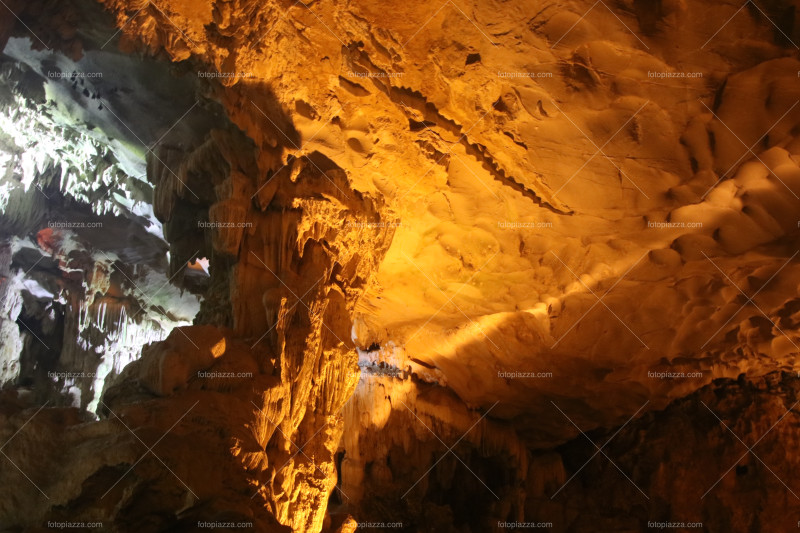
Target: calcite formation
point(454, 267)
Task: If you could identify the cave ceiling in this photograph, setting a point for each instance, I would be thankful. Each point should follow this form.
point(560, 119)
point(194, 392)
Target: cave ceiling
point(406, 220)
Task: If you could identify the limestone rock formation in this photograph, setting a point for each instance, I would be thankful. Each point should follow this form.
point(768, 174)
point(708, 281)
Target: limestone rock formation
point(464, 267)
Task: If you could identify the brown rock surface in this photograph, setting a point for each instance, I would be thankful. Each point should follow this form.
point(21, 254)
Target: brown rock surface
point(445, 240)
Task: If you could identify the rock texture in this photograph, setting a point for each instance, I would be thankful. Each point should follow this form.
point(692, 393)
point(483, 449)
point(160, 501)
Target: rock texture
point(439, 248)
point(720, 457)
point(737, 434)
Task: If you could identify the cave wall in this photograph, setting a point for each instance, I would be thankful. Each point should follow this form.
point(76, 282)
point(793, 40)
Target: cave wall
point(403, 212)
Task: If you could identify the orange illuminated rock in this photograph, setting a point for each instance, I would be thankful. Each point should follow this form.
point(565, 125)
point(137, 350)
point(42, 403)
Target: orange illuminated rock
point(448, 244)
